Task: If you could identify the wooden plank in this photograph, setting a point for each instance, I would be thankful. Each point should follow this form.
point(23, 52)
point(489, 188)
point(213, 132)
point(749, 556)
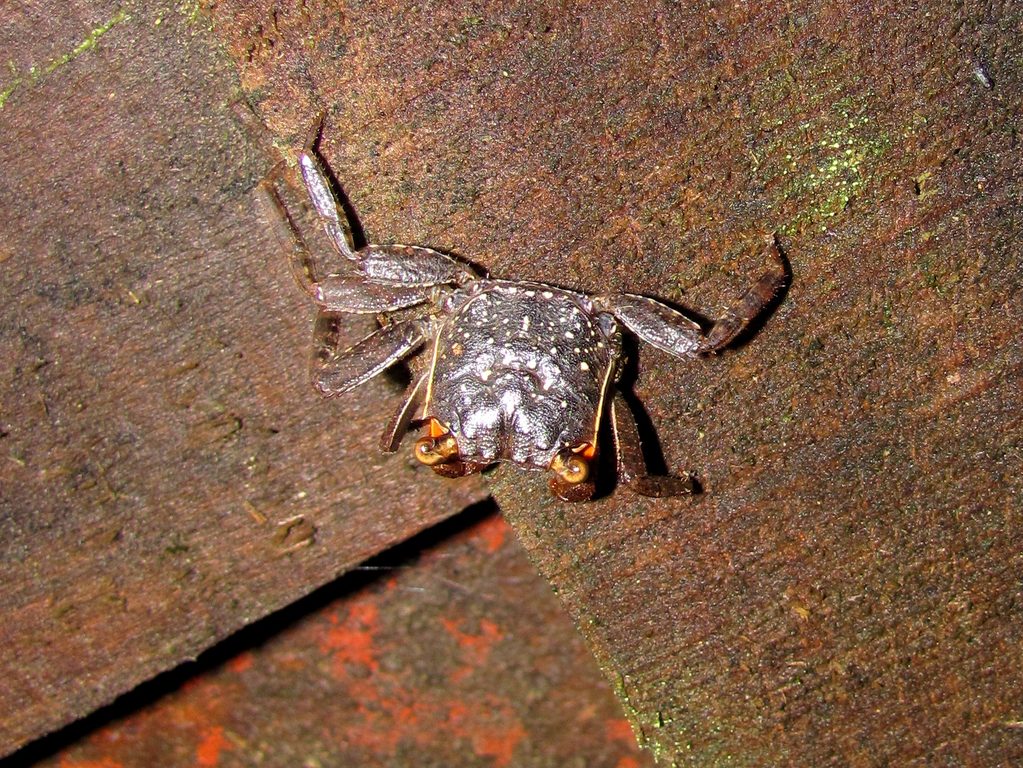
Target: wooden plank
point(167, 473)
point(846, 591)
point(448, 650)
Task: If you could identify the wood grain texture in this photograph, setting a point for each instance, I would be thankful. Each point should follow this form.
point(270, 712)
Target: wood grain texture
point(167, 474)
point(846, 592)
point(447, 650)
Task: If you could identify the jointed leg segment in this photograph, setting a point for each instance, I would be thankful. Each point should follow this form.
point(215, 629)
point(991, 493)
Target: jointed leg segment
point(325, 203)
point(405, 415)
point(385, 278)
point(336, 370)
point(678, 335)
point(749, 305)
point(629, 452)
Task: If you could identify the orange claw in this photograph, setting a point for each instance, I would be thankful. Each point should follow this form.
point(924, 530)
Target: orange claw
point(433, 451)
point(571, 480)
point(586, 450)
point(572, 468)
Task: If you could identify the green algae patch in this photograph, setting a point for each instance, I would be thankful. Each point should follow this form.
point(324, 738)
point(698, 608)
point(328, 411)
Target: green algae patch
point(37, 73)
point(840, 174)
point(822, 177)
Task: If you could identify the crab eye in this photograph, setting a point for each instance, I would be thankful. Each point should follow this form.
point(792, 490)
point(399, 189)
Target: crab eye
point(432, 451)
point(572, 469)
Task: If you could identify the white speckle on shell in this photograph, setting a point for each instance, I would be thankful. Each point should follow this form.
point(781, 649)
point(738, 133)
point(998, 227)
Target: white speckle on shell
point(584, 366)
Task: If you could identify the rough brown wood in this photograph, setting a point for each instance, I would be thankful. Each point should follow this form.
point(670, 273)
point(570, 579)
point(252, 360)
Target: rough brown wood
point(847, 591)
point(448, 651)
point(167, 474)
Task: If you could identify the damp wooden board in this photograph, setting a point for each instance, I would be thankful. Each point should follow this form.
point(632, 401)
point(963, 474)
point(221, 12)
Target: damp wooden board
point(846, 589)
point(167, 474)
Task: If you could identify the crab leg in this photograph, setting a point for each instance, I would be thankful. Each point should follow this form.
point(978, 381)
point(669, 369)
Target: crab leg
point(678, 335)
point(287, 232)
point(392, 277)
point(324, 202)
point(412, 265)
point(336, 371)
point(356, 295)
point(631, 467)
point(404, 416)
point(655, 323)
point(749, 305)
point(404, 265)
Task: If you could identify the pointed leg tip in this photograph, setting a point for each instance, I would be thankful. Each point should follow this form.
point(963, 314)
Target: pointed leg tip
point(315, 133)
point(665, 487)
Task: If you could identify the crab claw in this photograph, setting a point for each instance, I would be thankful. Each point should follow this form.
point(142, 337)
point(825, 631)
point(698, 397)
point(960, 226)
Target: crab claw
point(433, 451)
point(571, 479)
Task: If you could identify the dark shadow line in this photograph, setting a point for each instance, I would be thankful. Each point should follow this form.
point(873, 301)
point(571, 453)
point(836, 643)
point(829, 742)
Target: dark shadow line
point(650, 443)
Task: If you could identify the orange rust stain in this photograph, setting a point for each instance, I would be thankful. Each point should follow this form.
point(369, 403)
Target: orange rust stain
point(499, 743)
point(241, 662)
point(389, 713)
point(627, 762)
point(490, 725)
point(457, 713)
point(352, 641)
point(620, 730)
point(492, 532)
point(476, 648)
point(207, 753)
point(365, 613)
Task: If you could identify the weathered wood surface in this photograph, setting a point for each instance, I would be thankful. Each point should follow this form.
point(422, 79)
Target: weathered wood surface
point(450, 651)
point(167, 474)
point(847, 590)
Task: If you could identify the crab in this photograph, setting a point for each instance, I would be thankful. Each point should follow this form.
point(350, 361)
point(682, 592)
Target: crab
point(508, 370)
